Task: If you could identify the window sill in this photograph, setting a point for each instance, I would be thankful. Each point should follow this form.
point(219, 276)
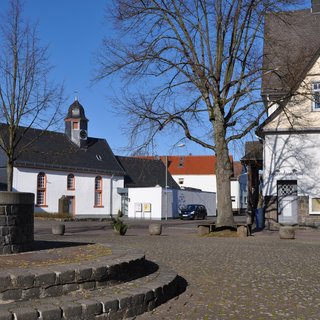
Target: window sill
point(98, 206)
point(41, 205)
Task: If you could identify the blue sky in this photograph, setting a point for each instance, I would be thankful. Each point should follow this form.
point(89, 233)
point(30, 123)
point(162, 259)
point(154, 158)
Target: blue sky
point(73, 30)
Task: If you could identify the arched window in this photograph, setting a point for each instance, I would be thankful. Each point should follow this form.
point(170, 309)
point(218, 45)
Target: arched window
point(71, 182)
point(41, 189)
point(98, 192)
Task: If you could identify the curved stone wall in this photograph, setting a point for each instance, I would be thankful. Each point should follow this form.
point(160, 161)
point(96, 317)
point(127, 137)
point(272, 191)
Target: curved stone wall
point(16, 221)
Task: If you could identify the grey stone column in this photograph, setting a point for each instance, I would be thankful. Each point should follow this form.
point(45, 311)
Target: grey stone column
point(16, 222)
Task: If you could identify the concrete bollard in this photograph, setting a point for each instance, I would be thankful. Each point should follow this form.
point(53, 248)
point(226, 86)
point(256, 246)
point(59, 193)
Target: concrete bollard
point(155, 229)
point(287, 232)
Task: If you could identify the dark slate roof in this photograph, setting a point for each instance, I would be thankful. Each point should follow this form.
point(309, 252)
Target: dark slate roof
point(291, 46)
point(76, 105)
point(253, 152)
point(145, 173)
point(54, 150)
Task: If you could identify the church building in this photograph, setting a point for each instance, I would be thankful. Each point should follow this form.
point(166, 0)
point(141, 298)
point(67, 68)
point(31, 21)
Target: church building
point(70, 171)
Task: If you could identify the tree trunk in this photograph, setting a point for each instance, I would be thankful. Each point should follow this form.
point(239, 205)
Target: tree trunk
point(223, 174)
point(9, 175)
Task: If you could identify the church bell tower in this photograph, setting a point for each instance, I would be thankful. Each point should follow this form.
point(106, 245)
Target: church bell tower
point(76, 125)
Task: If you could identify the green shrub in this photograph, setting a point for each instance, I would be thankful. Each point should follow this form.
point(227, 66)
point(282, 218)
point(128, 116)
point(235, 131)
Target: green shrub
point(118, 225)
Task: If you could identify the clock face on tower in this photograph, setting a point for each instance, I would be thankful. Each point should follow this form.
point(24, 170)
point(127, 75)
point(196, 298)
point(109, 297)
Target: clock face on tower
point(83, 134)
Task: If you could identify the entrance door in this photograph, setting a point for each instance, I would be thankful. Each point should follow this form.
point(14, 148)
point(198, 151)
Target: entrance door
point(287, 201)
point(71, 205)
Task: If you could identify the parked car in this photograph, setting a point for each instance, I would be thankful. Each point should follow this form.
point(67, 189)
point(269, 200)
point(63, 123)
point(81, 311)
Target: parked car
point(193, 211)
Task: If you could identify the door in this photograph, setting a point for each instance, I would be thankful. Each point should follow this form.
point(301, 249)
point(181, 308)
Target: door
point(287, 201)
point(71, 205)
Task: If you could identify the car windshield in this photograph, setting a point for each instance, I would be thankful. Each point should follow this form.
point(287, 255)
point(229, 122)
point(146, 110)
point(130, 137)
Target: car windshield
point(191, 207)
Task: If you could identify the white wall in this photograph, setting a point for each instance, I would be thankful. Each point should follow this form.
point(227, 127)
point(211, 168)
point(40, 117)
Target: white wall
point(139, 197)
point(235, 193)
point(292, 157)
point(203, 182)
point(25, 180)
point(165, 203)
point(208, 183)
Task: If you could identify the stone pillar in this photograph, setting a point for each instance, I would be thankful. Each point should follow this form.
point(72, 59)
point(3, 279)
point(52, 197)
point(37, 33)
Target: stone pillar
point(16, 222)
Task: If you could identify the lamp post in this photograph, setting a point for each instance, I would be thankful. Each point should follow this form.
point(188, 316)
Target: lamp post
point(180, 145)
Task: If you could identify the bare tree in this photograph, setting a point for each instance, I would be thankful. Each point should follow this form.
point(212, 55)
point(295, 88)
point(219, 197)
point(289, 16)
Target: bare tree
point(27, 98)
point(198, 64)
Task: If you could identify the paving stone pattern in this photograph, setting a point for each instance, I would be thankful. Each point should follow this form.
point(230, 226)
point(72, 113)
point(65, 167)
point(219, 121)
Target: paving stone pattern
point(259, 277)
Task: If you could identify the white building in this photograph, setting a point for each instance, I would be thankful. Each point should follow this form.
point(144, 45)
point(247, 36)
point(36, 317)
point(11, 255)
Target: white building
point(162, 203)
point(198, 172)
point(69, 171)
point(291, 133)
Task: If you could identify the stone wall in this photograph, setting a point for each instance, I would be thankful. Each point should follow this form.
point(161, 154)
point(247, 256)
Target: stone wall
point(16, 222)
point(306, 219)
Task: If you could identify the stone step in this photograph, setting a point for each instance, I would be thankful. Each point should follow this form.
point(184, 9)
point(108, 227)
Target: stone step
point(112, 302)
point(37, 274)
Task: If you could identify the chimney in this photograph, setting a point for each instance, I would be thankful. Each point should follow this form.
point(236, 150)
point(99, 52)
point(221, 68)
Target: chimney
point(315, 6)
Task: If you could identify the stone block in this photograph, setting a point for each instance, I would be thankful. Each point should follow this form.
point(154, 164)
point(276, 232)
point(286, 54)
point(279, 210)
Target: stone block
point(242, 231)
point(287, 232)
point(124, 302)
point(69, 287)
point(27, 313)
point(49, 312)
point(12, 294)
point(71, 310)
point(6, 315)
point(155, 229)
point(203, 230)
point(5, 282)
point(65, 276)
point(2, 210)
point(88, 285)
point(44, 279)
point(83, 274)
point(31, 293)
point(53, 291)
point(100, 273)
point(4, 230)
point(109, 304)
point(22, 279)
point(11, 220)
point(90, 308)
point(6, 249)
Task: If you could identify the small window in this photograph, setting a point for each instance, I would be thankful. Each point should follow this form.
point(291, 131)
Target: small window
point(316, 96)
point(233, 198)
point(181, 180)
point(315, 205)
point(98, 192)
point(41, 189)
point(71, 182)
point(75, 125)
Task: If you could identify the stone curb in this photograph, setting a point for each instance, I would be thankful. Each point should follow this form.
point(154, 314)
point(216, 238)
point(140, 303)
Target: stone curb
point(50, 281)
point(99, 303)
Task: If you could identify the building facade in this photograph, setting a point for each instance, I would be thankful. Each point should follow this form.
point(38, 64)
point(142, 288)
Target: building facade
point(291, 133)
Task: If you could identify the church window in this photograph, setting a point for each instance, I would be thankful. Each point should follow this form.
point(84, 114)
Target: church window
point(316, 96)
point(41, 189)
point(75, 125)
point(98, 192)
point(71, 182)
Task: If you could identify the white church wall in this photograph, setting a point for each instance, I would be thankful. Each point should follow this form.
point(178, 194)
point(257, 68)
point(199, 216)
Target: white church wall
point(25, 180)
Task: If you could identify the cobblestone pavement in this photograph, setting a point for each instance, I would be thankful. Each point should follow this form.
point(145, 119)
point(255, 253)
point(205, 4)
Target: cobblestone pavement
point(259, 277)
